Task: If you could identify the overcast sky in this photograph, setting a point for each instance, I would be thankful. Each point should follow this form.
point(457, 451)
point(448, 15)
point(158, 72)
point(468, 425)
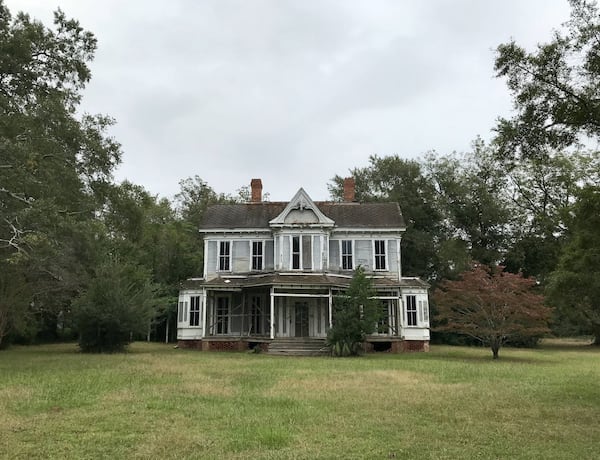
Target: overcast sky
point(294, 92)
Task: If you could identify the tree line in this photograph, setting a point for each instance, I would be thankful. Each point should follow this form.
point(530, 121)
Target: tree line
point(82, 255)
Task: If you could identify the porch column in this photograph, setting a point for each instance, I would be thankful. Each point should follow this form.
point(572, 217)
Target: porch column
point(330, 309)
point(272, 327)
point(205, 306)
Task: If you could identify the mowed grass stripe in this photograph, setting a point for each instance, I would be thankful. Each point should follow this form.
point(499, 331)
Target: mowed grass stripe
point(157, 401)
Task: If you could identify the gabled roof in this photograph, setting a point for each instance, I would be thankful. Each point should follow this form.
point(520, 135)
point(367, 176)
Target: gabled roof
point(263, 215)
point(301, 210)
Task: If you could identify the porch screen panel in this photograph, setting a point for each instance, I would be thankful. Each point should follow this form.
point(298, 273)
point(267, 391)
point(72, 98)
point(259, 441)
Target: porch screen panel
point(222, 315)
point(307, 252)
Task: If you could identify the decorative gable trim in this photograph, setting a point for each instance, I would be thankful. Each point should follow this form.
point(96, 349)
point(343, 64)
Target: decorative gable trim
point(301, 202)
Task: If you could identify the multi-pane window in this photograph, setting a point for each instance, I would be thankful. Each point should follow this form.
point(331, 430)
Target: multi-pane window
point(411, 310)
point(222, 315)
point(380, 255)
point(295, 252)
point(224, 256)
point(257, 255)
point(347, 262)
point(195, 311)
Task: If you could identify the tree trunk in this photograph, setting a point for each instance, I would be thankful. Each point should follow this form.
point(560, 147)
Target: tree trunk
point(596, 341)
point(495, 346)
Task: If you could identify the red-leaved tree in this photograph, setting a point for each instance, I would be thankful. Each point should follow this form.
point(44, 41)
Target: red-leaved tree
point(492, 306)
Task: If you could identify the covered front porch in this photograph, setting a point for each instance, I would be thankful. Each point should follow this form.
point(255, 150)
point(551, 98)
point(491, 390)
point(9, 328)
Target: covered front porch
point(238, 314)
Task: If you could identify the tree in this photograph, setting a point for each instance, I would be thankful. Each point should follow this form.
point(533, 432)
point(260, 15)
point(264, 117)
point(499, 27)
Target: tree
point(541, 195)
point(491, 306)
point(472, 204)
point(556, 89)
point(355, 315)
point(54, 165)
point(575, 285)
point(118, 303)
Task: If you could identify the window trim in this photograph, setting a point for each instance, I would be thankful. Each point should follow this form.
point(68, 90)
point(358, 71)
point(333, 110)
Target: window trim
point(220, 256)
point(351, 254)
point(385, 255)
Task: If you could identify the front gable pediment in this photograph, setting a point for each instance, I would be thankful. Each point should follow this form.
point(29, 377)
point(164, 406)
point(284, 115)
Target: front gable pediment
point(301, 211)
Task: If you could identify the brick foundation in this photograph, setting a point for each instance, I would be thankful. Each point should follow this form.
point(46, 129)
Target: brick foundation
point(222, 345)
point(413, 345)
point(190, 344)
point(396, 346)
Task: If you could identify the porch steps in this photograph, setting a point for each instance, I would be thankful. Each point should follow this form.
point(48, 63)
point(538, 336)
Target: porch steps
point(298, 346)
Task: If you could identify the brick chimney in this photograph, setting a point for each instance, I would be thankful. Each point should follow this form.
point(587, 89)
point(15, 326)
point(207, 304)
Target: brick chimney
point(349, 189)
point(256, 187)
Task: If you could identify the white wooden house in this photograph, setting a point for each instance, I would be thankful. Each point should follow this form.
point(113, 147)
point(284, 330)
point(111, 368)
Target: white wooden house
point(272, 269)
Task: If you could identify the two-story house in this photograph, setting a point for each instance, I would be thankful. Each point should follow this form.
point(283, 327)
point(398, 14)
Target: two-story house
point(272, 270)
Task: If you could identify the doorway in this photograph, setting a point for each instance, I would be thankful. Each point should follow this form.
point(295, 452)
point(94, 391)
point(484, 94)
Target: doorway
point(301, 319)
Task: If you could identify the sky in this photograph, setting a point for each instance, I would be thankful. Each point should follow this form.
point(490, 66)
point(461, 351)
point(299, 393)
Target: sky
point(294, 91)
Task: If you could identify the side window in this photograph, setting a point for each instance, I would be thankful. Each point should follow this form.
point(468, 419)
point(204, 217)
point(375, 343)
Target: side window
point(224, 256)
point(411, 310)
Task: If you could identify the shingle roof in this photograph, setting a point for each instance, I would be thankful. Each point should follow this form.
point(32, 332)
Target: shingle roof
point(346, 215)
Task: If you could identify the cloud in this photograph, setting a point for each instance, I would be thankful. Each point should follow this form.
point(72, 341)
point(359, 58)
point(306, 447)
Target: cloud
point(294, 92)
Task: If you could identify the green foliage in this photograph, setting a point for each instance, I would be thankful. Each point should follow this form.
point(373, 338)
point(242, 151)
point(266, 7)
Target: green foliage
point(53, 165)
point(556, 88)
point(355, 315)
point(118, 304)
point(575, 285)
point(473, 207)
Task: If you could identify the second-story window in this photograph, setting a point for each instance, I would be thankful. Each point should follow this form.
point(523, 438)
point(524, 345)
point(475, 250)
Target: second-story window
point(224, 256)
point(295, 253)
point(347, 262)
point(257, 255)
point(380, 255)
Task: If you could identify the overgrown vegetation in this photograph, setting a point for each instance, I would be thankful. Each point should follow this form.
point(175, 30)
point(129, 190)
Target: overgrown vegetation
point(158, 402)
point(355, 315)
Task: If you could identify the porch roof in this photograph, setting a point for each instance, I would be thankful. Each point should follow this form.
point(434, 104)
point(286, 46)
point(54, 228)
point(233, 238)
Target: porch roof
point(296, 280)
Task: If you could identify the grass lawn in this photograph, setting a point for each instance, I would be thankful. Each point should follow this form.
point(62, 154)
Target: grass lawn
point(161, 402)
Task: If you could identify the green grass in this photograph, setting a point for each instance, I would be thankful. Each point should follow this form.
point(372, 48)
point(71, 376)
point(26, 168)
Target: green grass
point(160, 402)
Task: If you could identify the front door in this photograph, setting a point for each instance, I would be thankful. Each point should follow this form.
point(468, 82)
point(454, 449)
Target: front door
point(301, 323)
